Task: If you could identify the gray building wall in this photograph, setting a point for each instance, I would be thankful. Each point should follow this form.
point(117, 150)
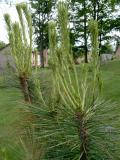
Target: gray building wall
point(5, 58)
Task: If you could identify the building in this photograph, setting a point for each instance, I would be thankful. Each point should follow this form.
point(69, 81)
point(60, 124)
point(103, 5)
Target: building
point(34, 60)
point(5, 58)
point(106, 57)
point(118, 52)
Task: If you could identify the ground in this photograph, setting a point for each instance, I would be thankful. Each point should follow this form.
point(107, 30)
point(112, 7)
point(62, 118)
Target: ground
point(11, 97)
point(111, 81)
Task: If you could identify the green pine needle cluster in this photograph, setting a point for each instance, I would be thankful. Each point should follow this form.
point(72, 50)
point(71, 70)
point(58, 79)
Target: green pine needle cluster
point(80, 126)
point(20, 38)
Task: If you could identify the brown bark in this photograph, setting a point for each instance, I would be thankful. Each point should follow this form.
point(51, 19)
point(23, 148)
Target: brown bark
point(85, 33)
point(25, 89)
point(83, 135)
point(42, 59)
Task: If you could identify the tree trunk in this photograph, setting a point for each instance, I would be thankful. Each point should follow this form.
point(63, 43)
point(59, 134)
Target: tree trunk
point(25, 89)
point(82, 131)
point(42, 59)
point(95, 10)
point(98, 9)
point(41, 35)
point(99, 19)
point(100, 33)
point(85, 34)
point(41, 50)
point(100, 42)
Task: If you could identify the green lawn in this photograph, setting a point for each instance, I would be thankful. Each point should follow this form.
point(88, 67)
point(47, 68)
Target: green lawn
point(111, 81)
point(10, 98)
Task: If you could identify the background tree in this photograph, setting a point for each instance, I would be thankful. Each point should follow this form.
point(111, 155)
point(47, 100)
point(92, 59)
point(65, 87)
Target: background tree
point(79, 18)
point(101, 10)
point(41, 15)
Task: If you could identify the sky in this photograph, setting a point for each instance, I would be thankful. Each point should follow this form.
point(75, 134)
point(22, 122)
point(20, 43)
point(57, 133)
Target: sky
point(7, 8)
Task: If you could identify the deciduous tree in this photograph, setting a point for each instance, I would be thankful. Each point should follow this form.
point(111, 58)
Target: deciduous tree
point(41, 14)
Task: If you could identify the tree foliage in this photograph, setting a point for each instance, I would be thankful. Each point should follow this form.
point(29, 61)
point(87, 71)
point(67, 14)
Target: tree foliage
point(101, 10)
point(41, 15)
point(20, 38)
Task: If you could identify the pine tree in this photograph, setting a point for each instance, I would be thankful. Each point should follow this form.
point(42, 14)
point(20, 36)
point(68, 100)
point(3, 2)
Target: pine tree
point(81, 126)
point(21, 46)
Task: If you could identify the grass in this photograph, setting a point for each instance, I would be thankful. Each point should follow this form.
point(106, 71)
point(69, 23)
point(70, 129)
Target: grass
point(10, 99)
point(11, 96)
point(111, 81)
